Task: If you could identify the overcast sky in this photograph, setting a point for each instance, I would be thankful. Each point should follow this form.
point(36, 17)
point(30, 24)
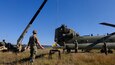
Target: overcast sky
point(83, 16)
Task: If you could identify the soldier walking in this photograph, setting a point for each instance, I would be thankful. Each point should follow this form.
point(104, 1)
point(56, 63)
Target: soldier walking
point(33, 42)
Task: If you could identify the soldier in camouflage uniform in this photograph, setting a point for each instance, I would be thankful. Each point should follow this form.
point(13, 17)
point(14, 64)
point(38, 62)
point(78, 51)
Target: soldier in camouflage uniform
point(33, 42)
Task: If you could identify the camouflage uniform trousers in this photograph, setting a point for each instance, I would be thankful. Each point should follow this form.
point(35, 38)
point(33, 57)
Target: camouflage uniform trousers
point(33, 51)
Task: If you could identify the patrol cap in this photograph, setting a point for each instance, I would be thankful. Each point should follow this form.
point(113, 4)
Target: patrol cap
point(34, 32)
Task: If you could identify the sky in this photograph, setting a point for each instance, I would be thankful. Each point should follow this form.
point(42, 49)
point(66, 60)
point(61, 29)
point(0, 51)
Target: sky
point(83, 16)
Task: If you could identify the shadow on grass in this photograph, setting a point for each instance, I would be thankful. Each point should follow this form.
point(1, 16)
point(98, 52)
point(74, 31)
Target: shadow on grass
point(23, 60)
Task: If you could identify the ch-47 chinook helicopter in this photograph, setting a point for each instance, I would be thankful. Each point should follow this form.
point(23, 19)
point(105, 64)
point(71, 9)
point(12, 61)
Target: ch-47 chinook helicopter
point(19, 47)
point(69, 39)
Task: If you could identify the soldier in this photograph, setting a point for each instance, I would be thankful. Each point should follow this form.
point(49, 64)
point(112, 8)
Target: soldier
point(55, 48)
point(33, 41)
point(4, 43)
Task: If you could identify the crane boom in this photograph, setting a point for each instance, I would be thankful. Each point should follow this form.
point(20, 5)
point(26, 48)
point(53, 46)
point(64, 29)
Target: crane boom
point(30, 23)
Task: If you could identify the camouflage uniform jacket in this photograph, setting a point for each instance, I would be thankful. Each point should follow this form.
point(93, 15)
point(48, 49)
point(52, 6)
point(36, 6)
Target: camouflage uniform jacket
point(32, 42)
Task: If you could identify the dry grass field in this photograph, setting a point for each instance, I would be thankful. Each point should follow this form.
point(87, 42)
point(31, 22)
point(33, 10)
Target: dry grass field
point(8, 58)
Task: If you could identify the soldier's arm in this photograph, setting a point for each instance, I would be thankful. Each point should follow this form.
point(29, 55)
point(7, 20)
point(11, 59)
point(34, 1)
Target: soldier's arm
point(39, 43)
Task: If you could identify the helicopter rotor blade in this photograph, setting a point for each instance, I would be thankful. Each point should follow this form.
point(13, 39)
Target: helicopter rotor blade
point(107, 24)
